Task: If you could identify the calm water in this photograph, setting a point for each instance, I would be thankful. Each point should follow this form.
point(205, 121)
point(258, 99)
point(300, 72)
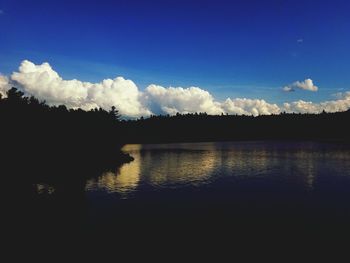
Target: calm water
point(265, 166)
point(211, 195)
point(298, 192)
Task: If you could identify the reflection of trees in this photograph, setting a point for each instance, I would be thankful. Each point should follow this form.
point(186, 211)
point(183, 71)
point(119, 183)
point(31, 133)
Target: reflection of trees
point(71, 143)
point(310, 163)
point(175, 167)
point(275, 163)
point(124, 180)
point(158, 167)
point(245, 162)
point(167, 165)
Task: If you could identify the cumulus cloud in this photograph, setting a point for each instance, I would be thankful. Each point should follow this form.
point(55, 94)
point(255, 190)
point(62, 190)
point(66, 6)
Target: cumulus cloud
point(341, 104)
point(4, 85)
point(342, 95)
point(43, 82)
point(249, 107)
point(183, 100)
point(305, 85)
point(188, 100)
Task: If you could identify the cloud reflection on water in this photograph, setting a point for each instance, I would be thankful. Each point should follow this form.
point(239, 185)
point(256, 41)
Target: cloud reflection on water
point(195, 164)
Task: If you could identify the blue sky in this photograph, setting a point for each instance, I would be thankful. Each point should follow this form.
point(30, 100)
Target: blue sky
point(242, 48)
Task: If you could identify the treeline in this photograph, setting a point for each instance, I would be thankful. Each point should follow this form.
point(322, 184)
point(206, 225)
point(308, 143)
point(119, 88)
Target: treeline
point(55, 142)
point(203, 127)
point(33, 126)
point(41, 143)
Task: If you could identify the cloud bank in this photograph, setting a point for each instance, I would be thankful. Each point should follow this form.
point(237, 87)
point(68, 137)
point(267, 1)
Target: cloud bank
point(46, 84)
point(183, 100)
point(305, 85)
point(4, 85)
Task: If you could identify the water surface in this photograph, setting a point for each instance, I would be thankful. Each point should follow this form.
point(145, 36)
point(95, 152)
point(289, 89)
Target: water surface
point(213, 195)
point(267, 166)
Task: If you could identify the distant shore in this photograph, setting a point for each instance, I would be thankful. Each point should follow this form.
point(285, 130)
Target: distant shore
point(55, 144)
point(324, 127)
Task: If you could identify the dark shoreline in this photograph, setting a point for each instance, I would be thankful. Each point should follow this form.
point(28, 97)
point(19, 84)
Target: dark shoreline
point(54, 144)
point(202, 127)
point(329, 141)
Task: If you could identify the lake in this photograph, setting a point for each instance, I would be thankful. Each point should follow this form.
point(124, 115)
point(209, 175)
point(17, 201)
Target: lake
point(261, 183)
point(303, 167)
point(188, 194)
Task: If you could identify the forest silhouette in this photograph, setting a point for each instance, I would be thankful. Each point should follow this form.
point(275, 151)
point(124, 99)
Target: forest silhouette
point(54, 144)
point(36, 136)
point(195, 127)
point(63, 147)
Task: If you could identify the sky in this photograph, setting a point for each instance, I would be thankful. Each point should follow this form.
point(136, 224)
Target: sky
point(273, 52)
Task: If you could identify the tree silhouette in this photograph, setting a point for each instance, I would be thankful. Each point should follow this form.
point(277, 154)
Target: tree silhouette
point(35, 135)
point(34, 132)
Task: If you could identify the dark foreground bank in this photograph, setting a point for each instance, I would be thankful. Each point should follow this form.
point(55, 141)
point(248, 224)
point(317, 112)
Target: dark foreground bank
point(39, 142)
point(225, 200)
point(251, 202)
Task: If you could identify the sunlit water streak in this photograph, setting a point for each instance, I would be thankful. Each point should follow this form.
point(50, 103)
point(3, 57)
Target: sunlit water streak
point(169, 166)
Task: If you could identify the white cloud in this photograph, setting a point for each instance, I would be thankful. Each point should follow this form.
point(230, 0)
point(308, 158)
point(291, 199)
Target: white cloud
point(46, 84)
point(301, 106)
point(288, 89)
point(183, 100)
point(249, 107)
point(305, 85)
point(188, 100)
point(341, 104)
point(4, 85)
point(343, 95)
